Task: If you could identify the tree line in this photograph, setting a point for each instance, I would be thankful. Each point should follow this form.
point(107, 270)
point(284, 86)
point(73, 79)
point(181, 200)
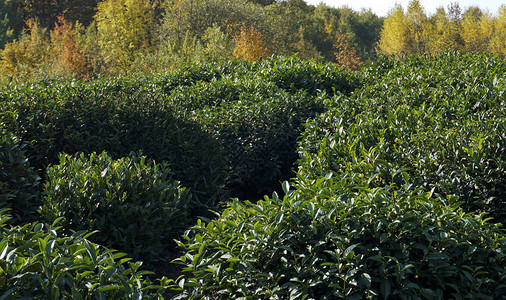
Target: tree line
point(88, 38)
point(414, 32)
point(84, 39)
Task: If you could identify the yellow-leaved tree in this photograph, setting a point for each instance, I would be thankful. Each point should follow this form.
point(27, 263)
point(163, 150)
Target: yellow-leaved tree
point(418, 25)
point(125, 29)
point(346, 56)
point(498, 40)
point(440, 36)
point(249, 44)
point(394, 36)
point(477, 30)
point(25, 55)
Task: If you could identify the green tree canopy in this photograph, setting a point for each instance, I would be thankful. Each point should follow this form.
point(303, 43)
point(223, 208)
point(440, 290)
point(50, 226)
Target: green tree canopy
point(125, 29)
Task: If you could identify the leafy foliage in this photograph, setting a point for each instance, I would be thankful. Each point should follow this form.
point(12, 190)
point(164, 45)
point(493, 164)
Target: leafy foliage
point(18, 181)
point(335, 238)
point(37, 263)
point(205, 121)
point(118, 116)
point(134, 204)
point(440, 120)
point(392, 199)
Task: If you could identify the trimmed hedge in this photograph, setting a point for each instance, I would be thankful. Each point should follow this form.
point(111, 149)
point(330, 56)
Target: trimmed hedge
point(335, 239)
point(392, 199)
point(440, 120)
point(36, 262)
point(18, 181)
point(134, 204)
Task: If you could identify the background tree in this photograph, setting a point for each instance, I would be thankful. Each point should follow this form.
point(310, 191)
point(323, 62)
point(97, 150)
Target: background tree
point(249, 44)
point(195, 16)
point(476, 30)
point(219, 46)
point(367, 31)
point(439, 37)
point(346, 56)
point(498, 40)
point(417, 23)
point(455, 17)
point(11, 22)
point(284, 21)
point(263, 2)
point(394, 36)
point(125, 29)
point(66, 50)
point(28, 53)
point(46, 12)
point(305, 49)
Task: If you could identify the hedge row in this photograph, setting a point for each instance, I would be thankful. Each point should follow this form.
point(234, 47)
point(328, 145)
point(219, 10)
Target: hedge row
point(173, 118)
point(398, 195)
point(440, 120)
point(37, 262)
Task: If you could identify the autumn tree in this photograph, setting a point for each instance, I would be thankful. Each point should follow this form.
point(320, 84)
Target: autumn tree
point(455, 16)
point(27, 53)
point(417, 25)
point(125, 29)
point(249, 44)
point(394, 36)
point(477, 30)
point(498, 40)
point(439, 36)
point(346, 55)
point(66, 50)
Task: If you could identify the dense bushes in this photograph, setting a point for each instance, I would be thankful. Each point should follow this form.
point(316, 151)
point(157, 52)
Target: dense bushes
point(389, 199)
point(440, 120)
point(336, 239)
point(36, 262)
point(134, 204)
point(18, 181)
point(400, 167)
point(173, 118)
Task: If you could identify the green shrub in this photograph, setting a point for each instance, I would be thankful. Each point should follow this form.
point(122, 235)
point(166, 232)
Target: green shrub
point(294, 74)
point(36, 262)
point(18, 181)
point(172, 117)
point(375, 212)
point(335, 239)
point(259, 133)
point(257, 111)
point(118, 116)
point(134, 204)
point(441, 120)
